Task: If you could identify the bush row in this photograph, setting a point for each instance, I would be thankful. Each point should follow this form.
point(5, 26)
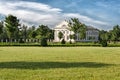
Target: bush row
point(51, 45)
point(58, 44)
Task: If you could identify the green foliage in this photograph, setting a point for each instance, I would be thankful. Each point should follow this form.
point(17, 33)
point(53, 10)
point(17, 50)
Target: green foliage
point(63, 41)
point(44, 42)
point(31, 32)
point(115, 33)
point(1, 27)
point(13, 30)
point(34, 34)
point(77, 27)
point(46, 32)
point(50, 35)
point(82, 31)
point(23, 32)
point(12, 23)
point(60, 35)
point(43, 30)
point(104, 43)
point(112, 35)
point(70, 42)
point(102, 35)
point(72, 36)
point(50, 44)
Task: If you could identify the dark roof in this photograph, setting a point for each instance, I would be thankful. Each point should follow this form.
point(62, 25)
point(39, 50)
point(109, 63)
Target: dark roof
point(91, 28)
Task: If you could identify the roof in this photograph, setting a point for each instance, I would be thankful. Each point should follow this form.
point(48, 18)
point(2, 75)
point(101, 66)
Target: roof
point(62, 25)
point(91, 28)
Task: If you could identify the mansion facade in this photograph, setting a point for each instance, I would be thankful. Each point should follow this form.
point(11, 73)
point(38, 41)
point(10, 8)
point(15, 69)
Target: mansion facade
point(92, 34)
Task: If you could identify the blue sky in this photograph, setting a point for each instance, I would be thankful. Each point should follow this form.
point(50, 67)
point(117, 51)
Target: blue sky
point(102, 14)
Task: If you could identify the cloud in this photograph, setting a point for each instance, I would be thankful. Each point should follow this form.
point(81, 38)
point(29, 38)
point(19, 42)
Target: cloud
point(34, 13)
point(31, 12)
point(86, 20)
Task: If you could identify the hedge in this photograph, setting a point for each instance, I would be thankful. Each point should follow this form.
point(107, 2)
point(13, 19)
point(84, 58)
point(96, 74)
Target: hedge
point(49, 45)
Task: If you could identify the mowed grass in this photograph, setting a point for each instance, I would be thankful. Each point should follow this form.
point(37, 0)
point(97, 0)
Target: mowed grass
point(59, 63)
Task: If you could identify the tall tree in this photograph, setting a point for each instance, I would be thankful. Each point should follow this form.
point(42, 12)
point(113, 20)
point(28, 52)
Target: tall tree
point(24, 32)
point(1, 27)
point(12, 23)
point(77, 27)
point(103, 37)
point(108, 36)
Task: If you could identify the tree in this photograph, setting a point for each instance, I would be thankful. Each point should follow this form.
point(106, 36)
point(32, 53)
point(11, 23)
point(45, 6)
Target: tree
point(77, 27)
point(108, 36)
point(71, 36)
point(60, 35)
point(104, 43)
point(32, 32)
point(115, 33)
point(24, 32)
point(112, 35)
point(51, 35)
point(12, 23)
point(1, 28)
point(43, 31)
point(103, 35)
point(44, 42)
point(103, 38)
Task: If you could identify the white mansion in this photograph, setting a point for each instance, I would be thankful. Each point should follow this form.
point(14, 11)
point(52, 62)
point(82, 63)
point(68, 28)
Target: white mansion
point(92, 34)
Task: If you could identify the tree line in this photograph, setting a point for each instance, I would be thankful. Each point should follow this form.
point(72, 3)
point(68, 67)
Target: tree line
point(111, 35)
point(11, 29)
point(104, 36)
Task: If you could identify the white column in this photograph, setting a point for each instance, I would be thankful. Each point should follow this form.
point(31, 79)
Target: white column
point(56, 35)
point(65, 35)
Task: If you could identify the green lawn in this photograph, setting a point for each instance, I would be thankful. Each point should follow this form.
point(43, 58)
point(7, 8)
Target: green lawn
point(59, 63)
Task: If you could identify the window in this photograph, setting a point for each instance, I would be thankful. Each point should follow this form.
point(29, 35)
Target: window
point(68, 37)
point(63, 32)
point(67, 32)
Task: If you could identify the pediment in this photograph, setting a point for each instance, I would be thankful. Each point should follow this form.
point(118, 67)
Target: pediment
point(62, 25)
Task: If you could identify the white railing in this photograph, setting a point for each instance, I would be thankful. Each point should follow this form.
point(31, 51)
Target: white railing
point(20, 40)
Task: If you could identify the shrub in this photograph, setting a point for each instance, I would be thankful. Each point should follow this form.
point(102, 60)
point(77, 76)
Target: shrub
point(44, 42)
point(104, 43)
point(63, 41)
point(70, 42)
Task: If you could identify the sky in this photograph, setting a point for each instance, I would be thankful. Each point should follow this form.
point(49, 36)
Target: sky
point(101, 14)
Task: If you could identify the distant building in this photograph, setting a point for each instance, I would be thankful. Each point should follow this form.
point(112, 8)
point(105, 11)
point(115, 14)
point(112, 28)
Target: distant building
point(92, 34)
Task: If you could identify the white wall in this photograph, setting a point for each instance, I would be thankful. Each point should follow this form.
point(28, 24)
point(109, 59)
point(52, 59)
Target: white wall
point(66, 34)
